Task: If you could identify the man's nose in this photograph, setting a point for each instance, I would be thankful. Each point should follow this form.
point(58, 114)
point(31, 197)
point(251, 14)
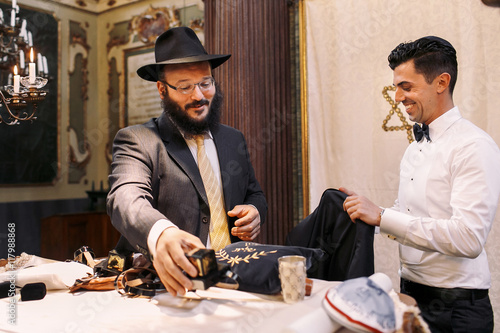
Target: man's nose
point(197, 94)
point(399, 96)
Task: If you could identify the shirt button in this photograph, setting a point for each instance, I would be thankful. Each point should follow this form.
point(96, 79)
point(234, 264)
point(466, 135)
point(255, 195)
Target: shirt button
point(204, 219)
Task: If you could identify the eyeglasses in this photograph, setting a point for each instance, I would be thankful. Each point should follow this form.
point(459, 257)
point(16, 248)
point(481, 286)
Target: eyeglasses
point(188, 88)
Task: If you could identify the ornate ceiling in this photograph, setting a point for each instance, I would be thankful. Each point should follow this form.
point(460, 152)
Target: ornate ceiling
point(95, 6)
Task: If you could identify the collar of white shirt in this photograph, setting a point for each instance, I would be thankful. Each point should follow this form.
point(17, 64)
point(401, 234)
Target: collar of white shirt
point(442, 123)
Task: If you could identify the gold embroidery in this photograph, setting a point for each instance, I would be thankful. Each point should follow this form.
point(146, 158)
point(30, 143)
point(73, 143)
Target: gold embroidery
point(244, 249)
point(224, 256)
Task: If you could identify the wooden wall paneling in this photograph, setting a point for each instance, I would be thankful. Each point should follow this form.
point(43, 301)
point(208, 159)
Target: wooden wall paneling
point(257, 86)
point(63, 234)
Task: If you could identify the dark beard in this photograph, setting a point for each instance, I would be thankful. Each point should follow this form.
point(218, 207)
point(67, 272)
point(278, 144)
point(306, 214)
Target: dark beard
point(180, 118)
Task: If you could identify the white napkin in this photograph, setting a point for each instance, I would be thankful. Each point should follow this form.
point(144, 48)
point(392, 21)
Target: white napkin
point(58, 275)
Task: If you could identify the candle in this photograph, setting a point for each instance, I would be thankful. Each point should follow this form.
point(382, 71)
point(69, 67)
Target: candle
point(24, 34)
point(30, 39)
point(14, 4)
point(21, 60)
point(16, 81)
point(32, 69)
point(45, 66)
point(13, 17)
point(23, 29)
point(40, 63)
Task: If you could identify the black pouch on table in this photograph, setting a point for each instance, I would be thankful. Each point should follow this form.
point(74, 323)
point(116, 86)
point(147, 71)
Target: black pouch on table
point(256, 265)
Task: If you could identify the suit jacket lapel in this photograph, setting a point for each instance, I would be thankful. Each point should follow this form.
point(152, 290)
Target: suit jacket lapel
point(177, 149)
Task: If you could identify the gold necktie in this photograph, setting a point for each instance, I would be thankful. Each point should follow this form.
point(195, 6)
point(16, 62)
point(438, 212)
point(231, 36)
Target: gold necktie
point(219, 232)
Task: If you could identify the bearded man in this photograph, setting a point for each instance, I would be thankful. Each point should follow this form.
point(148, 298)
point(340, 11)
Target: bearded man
point(183, 180)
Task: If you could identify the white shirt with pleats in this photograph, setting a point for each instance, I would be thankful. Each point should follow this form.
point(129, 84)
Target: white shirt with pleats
point(448, 196)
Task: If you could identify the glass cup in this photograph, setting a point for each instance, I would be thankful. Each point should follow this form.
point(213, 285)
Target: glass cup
point(292, 272)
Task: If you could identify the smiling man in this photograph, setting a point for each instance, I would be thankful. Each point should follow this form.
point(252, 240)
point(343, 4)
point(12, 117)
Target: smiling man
point(448, 194)
point(183, 180)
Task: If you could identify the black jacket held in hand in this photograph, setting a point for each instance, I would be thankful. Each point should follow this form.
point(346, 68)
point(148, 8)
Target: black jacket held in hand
point(348, 246)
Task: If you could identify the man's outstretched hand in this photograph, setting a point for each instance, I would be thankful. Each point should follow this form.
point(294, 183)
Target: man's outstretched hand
point(170, 259)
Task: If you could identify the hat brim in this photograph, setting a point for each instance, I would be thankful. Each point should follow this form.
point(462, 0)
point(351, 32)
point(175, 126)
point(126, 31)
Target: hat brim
point(150, 72)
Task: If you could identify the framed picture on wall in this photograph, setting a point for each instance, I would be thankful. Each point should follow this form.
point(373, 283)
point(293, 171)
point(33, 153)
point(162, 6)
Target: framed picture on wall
point(143, 102)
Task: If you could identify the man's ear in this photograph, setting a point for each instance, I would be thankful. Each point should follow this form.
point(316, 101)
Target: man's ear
point(161, 88)
point(443, 82)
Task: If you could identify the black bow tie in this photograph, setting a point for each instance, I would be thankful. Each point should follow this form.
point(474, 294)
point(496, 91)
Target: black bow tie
point(420, 132)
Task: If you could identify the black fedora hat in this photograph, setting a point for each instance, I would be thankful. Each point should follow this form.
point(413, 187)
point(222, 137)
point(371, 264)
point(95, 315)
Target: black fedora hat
point(178, 45)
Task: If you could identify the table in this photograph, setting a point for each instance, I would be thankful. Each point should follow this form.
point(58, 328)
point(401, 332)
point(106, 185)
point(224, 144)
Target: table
point(108, 311)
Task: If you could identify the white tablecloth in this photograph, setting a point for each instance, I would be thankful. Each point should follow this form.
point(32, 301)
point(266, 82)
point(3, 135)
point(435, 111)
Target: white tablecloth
point(108, 311)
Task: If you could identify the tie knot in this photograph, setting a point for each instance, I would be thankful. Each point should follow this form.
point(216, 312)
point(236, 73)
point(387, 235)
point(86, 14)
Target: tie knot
point(200, 138)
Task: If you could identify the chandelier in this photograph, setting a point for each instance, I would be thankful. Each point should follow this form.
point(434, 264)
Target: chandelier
point(20, 97)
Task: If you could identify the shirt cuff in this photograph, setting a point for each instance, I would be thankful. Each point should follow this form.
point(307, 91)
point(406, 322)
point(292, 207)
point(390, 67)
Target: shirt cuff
point(155, 233)
point(394, 224)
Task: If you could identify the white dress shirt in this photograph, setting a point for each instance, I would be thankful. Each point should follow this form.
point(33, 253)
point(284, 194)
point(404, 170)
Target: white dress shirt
point(448, 196)
point(211, 151)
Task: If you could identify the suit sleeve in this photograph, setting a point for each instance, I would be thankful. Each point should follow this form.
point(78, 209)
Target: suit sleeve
point(131, 201)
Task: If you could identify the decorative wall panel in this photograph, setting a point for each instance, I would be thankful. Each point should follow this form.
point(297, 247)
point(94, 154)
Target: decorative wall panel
point(79, 147)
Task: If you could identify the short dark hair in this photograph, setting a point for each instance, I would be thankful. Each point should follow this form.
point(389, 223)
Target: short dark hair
point(431, 55)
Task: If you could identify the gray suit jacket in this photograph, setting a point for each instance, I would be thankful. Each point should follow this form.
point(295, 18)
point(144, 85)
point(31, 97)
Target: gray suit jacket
point(154, 176)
